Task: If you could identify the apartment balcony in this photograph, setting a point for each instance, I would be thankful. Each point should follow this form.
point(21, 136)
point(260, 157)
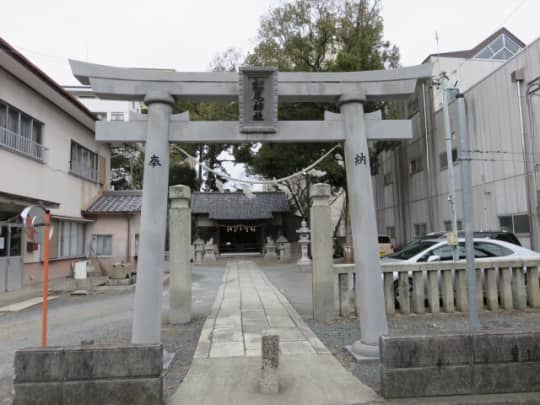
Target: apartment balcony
point(22, 145)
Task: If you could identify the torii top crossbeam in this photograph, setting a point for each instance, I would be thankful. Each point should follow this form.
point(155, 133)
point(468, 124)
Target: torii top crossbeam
point(134, 84)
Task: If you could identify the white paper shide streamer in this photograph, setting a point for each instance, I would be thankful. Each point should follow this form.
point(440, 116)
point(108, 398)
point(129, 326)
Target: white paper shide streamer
point(244, 183)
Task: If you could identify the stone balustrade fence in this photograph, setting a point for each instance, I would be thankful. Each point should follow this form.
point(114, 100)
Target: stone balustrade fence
point(442, 286)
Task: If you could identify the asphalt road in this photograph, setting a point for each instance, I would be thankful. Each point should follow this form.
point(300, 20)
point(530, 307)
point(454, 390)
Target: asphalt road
point(103, 318)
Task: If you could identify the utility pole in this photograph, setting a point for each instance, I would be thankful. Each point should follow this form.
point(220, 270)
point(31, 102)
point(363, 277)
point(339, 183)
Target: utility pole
point(452, 238)
point(468, 212)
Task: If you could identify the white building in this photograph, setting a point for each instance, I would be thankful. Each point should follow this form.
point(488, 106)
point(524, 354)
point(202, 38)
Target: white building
point(411, 186)
point(48, 156)
point(466, 68)
point(109, 110)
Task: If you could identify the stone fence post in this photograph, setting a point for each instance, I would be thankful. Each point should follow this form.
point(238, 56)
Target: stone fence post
point(321, 253)
point(179, 254)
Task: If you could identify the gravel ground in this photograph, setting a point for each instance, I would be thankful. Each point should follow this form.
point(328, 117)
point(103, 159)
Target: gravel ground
point(178, 339)
point(105, 319)
point(335, 335)
point(182, 340)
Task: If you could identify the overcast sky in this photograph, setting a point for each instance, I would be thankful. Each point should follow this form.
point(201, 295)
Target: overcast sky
point(187, 34)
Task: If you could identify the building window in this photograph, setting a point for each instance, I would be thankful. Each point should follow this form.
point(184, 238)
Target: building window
point(117, 116)
point(420, 229)
point(83, 162)
point(70, 239)
point(444, 161)
point(388, 179)
point(514, 223)
point(391, 231)
point(102, 245)
point(501, 48)
point(448, 225)
point(416, 166)
point(20, 132)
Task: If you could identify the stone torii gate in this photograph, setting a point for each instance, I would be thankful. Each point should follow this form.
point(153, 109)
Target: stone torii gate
point(258, 90)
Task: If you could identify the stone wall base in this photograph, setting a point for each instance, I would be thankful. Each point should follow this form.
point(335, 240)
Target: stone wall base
point(89, 375)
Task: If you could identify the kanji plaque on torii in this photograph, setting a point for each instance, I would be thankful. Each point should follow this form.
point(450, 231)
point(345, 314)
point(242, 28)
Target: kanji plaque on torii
point(259, 91)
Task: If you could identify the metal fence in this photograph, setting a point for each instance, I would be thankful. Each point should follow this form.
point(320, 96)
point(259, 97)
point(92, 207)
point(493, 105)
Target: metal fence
point(21, 144)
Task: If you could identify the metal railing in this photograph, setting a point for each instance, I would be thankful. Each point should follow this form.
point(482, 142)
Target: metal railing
point(21, 144)
point(442, 286)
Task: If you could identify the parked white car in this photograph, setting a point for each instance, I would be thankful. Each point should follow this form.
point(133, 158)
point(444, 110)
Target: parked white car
point(434, 250)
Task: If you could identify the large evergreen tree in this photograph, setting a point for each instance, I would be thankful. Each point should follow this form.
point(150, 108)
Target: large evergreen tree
point(316, 36)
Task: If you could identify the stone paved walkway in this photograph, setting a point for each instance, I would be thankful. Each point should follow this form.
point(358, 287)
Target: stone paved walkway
point(247, 304)
point(226, 367)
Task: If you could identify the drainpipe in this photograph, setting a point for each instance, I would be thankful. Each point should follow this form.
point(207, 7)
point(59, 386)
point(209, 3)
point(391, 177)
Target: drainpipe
point(518, 76)
point(532, 89)
point(128, 244)
point(428, 160)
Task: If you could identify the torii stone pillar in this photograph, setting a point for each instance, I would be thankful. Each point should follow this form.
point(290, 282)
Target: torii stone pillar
point(321, 252)
point(179, 254)
point(373, 322)
point(148, 296)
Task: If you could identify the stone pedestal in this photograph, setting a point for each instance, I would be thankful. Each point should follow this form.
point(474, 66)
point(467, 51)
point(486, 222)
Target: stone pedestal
point(270, 250)
point(284, 248)
point(321, 252)
point(179, 254)
point(209, 255)
point(305, 262)
point(198, 247)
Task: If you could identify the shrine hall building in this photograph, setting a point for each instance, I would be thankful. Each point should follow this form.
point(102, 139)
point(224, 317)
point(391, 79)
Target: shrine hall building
point(238, 223)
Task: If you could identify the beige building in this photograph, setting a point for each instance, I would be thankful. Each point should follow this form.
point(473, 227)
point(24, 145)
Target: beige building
point(113, 234)
point(236, 223)
point(48, 156)
point(411, 185)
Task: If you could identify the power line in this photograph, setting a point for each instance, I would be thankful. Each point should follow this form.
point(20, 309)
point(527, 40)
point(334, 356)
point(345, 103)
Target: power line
point(515, 10)
point(499, 152)
point(473, 159)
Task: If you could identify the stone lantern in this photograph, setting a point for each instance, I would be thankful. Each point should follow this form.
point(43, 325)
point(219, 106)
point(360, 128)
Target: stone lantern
point(305, 262)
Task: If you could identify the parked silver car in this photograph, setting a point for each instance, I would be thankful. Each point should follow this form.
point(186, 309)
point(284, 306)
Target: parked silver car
point(437, 249)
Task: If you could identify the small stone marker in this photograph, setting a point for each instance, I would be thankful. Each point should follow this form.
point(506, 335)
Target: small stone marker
point(199, 250)
point(270, 363)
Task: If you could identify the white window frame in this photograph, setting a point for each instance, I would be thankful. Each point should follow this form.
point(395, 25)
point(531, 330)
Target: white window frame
point(117, 116)
point(513, 216)
point(98, 245)
point(388, 179)
point(83, 162)
point(417, 226)
point(416, 165)
point(70, 239)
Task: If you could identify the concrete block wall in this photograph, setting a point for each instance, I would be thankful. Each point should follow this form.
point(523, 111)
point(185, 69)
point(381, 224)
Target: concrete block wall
point(461, 364)
point(89, 375)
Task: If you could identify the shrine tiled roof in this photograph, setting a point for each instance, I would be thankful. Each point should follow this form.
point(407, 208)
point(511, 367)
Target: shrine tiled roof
point(236, 206)
point(110, 202)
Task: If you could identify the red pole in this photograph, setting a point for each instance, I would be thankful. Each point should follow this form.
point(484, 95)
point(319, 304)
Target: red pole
point(45, 280)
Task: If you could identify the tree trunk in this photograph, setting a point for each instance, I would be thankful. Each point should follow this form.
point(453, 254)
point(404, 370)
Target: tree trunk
point(341, 215)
